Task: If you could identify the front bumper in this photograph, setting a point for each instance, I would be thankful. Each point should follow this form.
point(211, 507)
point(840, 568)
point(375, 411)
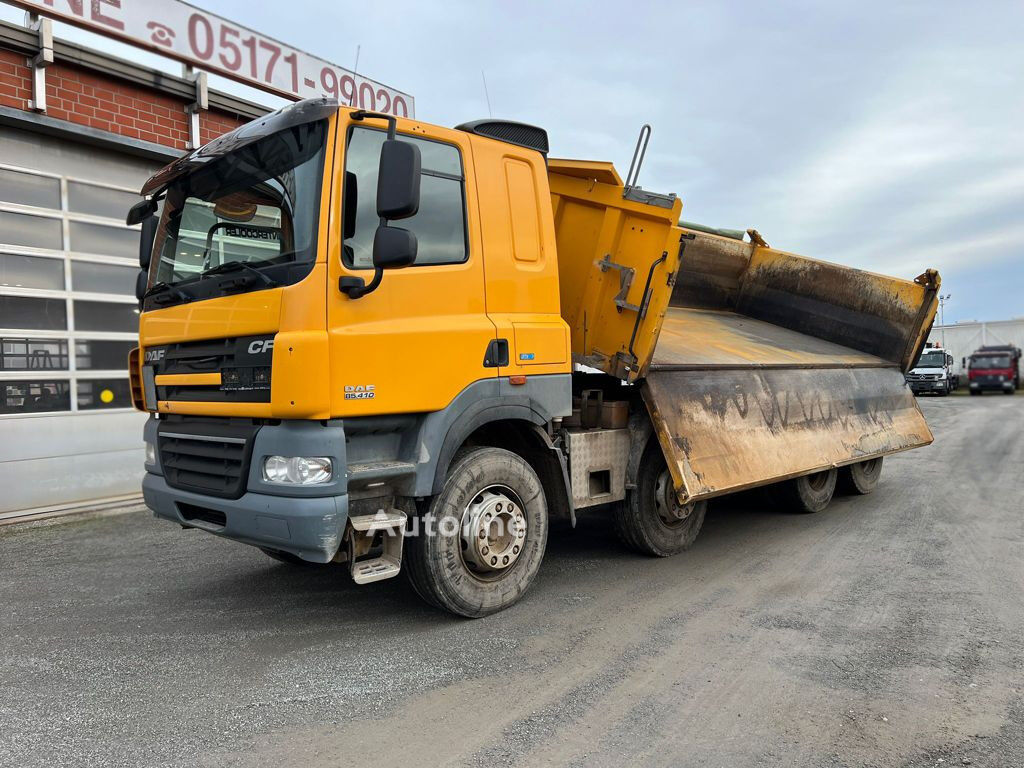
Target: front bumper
point(919, 387)
point(306, 521)
point(310, 528)
point(992, 386)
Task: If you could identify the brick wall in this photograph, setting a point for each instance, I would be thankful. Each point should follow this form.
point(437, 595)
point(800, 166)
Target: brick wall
point(15, 86)
point(89, 98)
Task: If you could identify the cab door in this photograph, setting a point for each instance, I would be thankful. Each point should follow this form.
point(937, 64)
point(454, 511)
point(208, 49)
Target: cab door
point(421, 337)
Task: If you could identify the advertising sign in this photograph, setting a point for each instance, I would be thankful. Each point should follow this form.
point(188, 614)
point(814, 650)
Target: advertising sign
point(208, 42)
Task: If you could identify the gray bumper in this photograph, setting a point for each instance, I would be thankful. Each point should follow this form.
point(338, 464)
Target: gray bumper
point(310, 528)
point(306, 521)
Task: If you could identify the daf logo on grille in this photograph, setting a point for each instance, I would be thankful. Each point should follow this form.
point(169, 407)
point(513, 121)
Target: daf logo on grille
point(261, 345)
point(154, 355)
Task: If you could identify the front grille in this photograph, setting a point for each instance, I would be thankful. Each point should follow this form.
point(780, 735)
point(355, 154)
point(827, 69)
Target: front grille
point(244, 358)
point(210, 457)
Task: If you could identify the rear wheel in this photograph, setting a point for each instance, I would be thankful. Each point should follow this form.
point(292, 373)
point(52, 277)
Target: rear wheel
point(806, 494)
point(651, 520)
point(975, 392)
point(1012, 391)
point(481, 539)
point(860, 478)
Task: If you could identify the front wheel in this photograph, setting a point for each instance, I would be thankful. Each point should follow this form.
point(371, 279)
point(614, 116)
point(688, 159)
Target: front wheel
point(651, 520)
point(480, 542)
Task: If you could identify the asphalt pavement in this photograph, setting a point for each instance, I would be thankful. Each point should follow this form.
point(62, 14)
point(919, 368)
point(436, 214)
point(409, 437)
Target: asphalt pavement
point(885, 631)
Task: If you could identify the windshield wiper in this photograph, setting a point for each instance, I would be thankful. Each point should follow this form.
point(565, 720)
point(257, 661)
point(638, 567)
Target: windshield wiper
point(170, 288)
point(235, 266)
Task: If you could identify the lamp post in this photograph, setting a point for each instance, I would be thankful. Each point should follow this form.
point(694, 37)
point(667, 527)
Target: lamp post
point(942, 315)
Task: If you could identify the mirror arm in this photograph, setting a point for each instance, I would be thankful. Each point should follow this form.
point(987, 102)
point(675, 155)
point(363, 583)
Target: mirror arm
point(356, 287)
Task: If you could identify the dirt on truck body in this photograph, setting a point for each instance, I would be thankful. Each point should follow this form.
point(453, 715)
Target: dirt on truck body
point(756, 365)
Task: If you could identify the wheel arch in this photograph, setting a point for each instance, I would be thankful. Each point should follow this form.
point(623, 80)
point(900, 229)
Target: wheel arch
point(521, 430)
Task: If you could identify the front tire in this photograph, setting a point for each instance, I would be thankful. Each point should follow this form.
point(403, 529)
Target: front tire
point(807, 494)
point(482, 538)
point(651, 520)
point(860, 478)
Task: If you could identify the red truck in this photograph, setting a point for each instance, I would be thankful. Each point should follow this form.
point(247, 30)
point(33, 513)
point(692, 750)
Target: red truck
point(994, 368)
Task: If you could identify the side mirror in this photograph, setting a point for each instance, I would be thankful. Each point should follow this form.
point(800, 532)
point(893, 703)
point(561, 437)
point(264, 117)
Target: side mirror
point(141, 280)
point(398, 180)
point(393, 248)
point(140, 211)
point(146, 238)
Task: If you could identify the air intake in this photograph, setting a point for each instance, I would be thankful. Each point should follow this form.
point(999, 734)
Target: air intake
point(521, 134)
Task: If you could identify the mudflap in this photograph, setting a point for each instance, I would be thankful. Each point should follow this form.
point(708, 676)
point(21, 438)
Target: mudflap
point(725, 430)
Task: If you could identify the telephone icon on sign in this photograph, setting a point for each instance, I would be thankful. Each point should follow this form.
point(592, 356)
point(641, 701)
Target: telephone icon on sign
point(162, 34)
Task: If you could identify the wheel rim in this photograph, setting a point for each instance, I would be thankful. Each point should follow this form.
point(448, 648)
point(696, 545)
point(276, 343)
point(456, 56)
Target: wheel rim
point(671, 512)
point(818, 480)
point(493, 532)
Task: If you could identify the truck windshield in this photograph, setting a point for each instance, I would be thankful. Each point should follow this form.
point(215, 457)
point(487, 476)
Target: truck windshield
point(989, 362)
point(257, 205)
point(932, 360)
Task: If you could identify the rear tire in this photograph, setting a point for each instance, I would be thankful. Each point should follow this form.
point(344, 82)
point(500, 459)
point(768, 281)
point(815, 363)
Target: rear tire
point(651, 520)
point(975, 392)
point(492, 508)
point(807, 494)
point(860, 478)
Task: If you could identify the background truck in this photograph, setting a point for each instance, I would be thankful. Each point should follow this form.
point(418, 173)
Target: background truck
point(933, 373)
point(405, 347)
point(995, 368)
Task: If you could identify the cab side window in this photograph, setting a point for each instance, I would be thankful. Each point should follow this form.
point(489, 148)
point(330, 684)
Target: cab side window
point(440, 224)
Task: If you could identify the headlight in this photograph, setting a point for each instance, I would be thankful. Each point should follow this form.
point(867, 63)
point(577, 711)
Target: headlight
point(150, 453)
point(298, 470)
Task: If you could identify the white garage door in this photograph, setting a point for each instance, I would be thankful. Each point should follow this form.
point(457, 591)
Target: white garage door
point(68, 318)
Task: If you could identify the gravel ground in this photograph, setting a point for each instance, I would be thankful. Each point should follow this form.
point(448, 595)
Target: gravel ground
point(885, 631)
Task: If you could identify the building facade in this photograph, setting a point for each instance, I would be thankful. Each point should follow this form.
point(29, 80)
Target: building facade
point(68, 314)
point(961, 339)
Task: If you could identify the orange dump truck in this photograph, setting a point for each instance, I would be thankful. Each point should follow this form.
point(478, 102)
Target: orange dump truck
point(395, 346)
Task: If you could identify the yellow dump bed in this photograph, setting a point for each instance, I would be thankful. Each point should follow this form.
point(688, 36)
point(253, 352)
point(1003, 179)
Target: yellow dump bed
point(756, 365)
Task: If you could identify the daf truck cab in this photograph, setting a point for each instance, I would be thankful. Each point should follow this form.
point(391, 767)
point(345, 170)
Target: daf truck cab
point(373, 342)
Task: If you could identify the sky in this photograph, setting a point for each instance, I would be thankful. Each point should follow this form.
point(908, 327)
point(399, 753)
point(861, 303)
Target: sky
point(887, 136)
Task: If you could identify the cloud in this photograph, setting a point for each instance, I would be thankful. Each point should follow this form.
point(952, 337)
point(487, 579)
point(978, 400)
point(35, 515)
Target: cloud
point(883, 135)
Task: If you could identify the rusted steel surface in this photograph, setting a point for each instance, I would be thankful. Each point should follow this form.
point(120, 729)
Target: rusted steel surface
point(727, 430)
point(874, 314)
point(699, 338)
point(868, 312)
